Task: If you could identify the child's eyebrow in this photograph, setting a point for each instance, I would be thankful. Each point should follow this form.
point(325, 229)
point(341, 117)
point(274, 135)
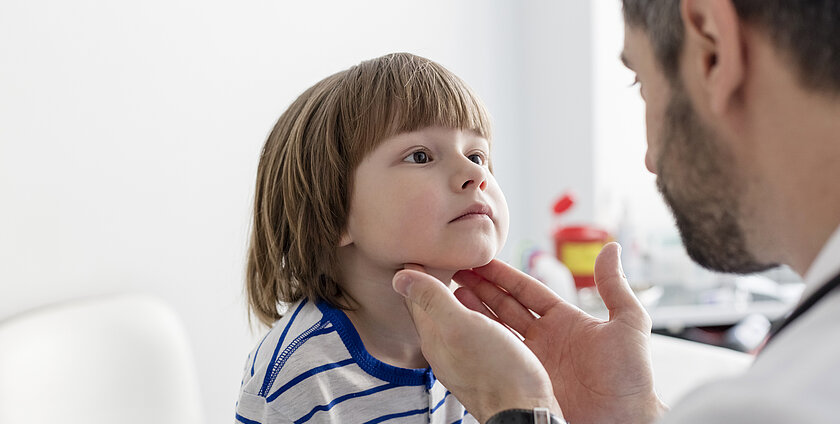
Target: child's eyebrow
point(483, 143)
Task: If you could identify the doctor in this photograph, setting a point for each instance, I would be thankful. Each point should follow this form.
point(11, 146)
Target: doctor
point(743, 119)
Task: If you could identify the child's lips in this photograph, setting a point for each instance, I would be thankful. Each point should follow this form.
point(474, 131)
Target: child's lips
point(476, 211)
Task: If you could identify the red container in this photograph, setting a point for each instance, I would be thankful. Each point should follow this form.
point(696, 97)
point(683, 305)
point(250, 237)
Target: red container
point(577, 246)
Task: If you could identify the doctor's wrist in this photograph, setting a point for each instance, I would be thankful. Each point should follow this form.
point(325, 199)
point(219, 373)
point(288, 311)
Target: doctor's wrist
point(526, 416)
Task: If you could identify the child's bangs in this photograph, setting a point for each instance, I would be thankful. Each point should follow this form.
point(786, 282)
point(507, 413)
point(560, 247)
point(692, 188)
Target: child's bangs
point(433, 96)
point(402, 92)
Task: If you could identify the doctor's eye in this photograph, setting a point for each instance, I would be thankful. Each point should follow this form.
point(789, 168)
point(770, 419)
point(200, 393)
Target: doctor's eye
point(419, 156)
point(478, 158)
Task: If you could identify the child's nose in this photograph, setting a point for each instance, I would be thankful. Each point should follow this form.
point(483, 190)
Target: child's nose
point(481, 184)
point(472, 176)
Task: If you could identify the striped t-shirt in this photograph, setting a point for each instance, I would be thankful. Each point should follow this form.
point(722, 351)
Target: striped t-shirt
point(312, 367)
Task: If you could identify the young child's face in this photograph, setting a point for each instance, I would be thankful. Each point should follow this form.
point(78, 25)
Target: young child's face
point(428, 197)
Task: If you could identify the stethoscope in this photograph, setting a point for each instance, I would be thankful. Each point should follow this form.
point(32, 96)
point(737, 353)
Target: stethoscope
point(803, 307)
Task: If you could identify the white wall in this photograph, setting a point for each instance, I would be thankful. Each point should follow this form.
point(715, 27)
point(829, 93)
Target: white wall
point(557, 152)
point(129, 135)
point(621, 180)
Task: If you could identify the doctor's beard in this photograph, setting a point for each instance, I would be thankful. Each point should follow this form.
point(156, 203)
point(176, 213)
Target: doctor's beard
point(696, 179)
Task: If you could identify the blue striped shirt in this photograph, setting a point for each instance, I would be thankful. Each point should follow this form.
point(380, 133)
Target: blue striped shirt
point(312, 367)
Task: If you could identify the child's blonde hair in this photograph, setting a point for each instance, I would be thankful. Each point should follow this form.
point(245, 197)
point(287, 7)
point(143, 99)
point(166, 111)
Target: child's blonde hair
point(304, 178)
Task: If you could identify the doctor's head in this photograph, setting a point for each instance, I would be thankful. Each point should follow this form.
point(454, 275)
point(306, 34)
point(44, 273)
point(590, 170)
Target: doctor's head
point(720, 80)
point(382, 164)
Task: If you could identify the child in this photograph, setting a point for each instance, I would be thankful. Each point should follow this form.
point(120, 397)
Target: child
point(378, 166)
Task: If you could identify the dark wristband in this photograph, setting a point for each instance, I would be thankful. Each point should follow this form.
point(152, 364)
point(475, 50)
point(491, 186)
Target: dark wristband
point(521, 416)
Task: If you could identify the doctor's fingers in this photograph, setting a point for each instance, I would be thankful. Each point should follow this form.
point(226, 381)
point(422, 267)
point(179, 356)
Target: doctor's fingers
point(468, 298)
point(508, 310)
point(527, 290)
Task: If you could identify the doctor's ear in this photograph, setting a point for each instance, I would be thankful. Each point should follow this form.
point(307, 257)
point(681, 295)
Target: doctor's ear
point(345, 239)
point(713, 52)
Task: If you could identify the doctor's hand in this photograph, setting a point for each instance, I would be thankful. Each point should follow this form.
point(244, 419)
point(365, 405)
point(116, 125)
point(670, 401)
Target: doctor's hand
point(481, 362)
point(600, 370)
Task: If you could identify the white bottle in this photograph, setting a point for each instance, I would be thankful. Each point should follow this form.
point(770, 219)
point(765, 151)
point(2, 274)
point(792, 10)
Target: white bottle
point(553, 274)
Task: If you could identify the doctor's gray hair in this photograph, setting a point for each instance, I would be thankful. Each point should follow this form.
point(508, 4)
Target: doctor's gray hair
point(807, 32)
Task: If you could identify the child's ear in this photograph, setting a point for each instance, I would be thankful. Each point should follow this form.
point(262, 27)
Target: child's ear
point(345, 239)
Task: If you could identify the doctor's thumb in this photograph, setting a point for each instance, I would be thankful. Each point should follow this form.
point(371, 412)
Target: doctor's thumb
point(614, 289)
point(403, 279)
point(402, 283)
point(422, 291)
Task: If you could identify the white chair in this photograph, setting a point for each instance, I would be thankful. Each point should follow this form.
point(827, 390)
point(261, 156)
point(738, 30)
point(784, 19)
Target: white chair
point(115, 359)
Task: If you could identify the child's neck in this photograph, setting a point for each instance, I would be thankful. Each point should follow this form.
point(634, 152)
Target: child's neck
point(381, 318)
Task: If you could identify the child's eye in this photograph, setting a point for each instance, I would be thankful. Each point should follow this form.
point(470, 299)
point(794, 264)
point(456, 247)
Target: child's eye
point(418, 157)
point(635, 82)
point(477, 158)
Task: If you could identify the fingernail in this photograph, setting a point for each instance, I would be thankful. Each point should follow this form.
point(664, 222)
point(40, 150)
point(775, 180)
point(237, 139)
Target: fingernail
point(401, 282)
point(620, 265)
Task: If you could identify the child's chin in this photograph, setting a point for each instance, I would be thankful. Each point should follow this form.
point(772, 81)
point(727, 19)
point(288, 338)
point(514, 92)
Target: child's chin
point(475, 262)
point(482, 262)
point(484, 257)
point(464, 260)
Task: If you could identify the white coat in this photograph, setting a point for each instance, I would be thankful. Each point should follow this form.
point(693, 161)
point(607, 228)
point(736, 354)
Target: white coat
point(795, 379)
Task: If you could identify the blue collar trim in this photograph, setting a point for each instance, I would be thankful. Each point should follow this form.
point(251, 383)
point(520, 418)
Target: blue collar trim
point(353, 343)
